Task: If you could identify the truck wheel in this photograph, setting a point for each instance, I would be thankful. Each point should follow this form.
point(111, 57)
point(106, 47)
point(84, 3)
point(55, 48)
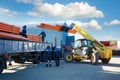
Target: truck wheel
point(19, 59)
point(36, 58)
point(105, 60)
point(94, 58)
point(68, 58)
point(2, 64)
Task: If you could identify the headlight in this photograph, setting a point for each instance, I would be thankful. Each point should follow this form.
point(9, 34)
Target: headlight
point(73, 51)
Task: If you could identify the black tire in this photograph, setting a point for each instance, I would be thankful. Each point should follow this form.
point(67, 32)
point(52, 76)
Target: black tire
point(94, 58)
point(2, 64)
point(19, 59)
point(36, 58)
point(36, 61)
point(69, 58)
point(105, 60)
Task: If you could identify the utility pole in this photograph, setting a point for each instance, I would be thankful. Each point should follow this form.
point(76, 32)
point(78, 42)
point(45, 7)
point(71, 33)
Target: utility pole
point(55, 41)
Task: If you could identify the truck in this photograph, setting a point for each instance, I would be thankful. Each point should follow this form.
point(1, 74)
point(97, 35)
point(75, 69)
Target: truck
point(114, 44)
point(14, 47)
point(88, 48)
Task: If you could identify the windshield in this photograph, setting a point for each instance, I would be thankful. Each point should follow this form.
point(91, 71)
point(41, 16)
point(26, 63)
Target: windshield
point(81, 43)
point(90, 44)
point(77, 44)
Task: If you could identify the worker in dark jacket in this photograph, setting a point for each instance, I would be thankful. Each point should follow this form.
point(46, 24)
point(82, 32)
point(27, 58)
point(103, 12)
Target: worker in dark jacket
point(23, 33)
point(56, 56)
point(43, 35)
point(48, 56)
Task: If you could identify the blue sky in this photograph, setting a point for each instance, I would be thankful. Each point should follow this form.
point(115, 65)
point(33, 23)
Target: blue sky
point(100, 18)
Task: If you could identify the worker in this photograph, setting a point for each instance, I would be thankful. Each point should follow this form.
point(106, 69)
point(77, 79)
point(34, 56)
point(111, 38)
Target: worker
point(56, 56)
point(64, 27)
point(43, 35)
point(48, 56)
point(23, 33)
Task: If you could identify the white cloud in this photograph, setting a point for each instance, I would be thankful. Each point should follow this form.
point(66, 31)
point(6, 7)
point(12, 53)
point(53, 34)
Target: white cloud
point(68, 11)
point(32, 23)
point(4, 11)
point(114, 22)
point(92, 25)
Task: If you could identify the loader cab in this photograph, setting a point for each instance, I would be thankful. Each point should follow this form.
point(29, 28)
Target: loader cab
point(82, 43)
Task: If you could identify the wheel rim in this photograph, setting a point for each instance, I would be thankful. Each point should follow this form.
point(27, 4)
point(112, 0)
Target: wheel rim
point(69, 57)
point(93, 58)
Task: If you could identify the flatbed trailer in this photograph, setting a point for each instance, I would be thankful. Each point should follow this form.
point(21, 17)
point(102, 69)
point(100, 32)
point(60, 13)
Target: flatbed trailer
point(20, 51)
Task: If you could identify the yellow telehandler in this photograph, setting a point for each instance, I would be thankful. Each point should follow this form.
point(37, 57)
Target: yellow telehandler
point(87, 49)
